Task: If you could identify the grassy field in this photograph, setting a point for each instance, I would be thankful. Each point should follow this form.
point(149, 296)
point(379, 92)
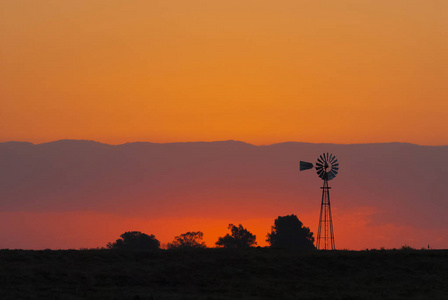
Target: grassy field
point(257, 273)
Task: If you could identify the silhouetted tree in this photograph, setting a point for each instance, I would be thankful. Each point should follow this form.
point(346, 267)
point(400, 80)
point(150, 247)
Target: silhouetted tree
point(239, 238)
point(189, 240)
point(289, 232)
point(135, 240)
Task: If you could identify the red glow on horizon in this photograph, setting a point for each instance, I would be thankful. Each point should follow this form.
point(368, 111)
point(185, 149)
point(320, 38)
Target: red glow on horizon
point(77, 230)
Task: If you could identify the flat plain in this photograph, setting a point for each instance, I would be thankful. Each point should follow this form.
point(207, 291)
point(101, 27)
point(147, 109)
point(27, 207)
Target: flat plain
point(256, 273)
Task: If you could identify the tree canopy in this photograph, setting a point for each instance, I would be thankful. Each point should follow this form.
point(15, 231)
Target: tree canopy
point(289, 232)
point(188, 240)
point(240, 237)
point(135, 240)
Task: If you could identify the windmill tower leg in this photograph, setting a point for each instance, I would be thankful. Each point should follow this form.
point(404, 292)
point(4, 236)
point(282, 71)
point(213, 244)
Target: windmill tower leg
point(325, 235)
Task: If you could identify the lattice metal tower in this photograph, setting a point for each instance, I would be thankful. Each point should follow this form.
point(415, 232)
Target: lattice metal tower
point(327, 166)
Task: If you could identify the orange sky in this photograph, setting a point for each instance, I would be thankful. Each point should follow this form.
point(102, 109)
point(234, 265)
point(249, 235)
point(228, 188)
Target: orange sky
point(257, 71)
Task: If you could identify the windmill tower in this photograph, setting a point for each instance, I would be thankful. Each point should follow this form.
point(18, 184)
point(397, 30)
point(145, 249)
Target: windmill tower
point(327, 167)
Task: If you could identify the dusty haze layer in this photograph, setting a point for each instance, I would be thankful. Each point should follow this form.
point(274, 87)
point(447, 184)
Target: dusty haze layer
point(73, 194)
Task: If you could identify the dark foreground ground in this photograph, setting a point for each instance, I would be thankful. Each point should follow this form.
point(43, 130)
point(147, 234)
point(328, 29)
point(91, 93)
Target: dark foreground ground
point(222, 274)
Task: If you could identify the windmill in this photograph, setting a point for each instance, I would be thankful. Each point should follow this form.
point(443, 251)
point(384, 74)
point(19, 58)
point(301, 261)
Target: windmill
point(327, 167)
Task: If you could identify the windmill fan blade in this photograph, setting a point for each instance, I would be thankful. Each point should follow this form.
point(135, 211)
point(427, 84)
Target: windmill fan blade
point(327, 166)
point(305, 165)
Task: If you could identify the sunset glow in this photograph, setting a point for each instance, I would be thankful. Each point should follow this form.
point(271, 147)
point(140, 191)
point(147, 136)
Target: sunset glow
point(260, 72)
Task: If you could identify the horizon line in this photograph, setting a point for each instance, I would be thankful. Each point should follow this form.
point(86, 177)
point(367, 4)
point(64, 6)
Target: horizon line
point(218, 141)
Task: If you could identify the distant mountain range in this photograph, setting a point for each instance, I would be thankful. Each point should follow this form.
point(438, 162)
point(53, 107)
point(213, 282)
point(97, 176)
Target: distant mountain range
point(405, 183)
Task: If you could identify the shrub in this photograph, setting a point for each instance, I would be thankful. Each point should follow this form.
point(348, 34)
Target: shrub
point(240, 237)
point(188, 240)
point(135, 240)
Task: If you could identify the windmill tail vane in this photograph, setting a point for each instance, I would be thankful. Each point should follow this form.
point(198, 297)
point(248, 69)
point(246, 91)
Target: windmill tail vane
point(305, 166)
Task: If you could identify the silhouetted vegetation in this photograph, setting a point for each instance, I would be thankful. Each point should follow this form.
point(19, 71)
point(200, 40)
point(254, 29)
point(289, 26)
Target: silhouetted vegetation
point(189, 240)
point(240, 237)
point(252, 273)
point(135, 240)
point(289, 232)
point(407, 248)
